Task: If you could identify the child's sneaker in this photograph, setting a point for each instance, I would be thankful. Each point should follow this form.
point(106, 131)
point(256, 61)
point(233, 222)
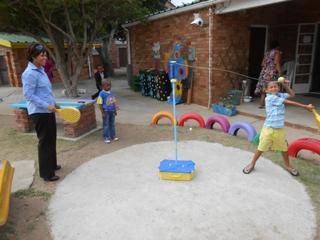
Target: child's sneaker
point(107, 141)
point(115, 139)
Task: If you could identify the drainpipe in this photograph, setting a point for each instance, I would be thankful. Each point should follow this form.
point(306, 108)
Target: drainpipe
point(128, 45)
point(210, 55)
point(129, 65)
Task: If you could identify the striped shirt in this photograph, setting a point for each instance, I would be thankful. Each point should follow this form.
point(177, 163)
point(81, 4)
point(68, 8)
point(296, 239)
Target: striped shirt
point(275, 110)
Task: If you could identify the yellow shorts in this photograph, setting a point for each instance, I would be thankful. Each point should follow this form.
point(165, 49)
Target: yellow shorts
point(273, 139)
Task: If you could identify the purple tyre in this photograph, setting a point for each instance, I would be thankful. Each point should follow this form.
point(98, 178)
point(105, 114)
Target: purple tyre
point(247, 127)
point(221, 120)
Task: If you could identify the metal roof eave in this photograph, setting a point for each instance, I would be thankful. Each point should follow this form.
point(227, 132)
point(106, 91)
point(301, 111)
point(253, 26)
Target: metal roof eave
point(175, 11)
point(238, 5)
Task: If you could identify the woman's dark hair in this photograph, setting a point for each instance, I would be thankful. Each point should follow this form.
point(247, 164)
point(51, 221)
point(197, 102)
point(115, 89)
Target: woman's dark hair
point(274, 44)
point(34, 50)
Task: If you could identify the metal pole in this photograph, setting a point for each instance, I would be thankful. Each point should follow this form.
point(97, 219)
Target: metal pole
point(210, 56)
point(173, 82)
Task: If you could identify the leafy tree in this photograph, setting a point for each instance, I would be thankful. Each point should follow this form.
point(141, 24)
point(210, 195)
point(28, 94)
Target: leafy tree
point(114, 30)
point(71, 25)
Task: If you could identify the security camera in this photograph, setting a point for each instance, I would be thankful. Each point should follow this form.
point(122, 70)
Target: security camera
point(197, 20)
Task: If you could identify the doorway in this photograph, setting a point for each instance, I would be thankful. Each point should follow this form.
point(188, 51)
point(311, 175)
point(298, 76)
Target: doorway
point(4, 80)
point(315, 85)
point(123, 57)
point(257, 48)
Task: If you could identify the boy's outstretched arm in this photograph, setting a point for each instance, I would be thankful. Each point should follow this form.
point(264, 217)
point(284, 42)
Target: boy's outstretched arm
point(309, 107)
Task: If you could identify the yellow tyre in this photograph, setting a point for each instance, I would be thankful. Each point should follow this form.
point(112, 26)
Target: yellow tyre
point(163, 114)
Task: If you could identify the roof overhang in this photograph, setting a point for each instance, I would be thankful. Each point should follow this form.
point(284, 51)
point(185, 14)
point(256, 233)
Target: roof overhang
point(221, 7)
point(238, 5)
point(178, 10)
point(8, 44)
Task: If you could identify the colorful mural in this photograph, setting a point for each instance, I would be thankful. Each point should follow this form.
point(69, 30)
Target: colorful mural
point(180, 71)
point(182, 55)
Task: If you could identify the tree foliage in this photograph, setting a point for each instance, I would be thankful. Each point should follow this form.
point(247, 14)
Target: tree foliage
point(115, 31)
point(71, 25)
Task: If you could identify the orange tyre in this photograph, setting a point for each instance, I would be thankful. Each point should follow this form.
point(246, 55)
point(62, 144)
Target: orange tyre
point(162, 114)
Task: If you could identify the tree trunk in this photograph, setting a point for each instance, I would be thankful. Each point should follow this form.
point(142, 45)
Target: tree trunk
point(76, 76)
point(107, 65)
point(104, 53)
point(106, 61)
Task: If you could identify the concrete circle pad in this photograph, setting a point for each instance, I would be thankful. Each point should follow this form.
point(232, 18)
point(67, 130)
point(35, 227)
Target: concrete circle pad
point(119, 196)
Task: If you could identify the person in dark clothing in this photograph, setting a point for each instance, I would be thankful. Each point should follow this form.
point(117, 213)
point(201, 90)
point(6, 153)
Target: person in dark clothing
point(41, 107)
point(99, 76)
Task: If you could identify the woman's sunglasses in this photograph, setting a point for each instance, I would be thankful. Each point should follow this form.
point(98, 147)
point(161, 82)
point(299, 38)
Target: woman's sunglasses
point(39, 47)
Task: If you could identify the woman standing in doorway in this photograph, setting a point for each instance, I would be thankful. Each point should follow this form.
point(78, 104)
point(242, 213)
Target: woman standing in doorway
point(271, 70)
point(41, 108)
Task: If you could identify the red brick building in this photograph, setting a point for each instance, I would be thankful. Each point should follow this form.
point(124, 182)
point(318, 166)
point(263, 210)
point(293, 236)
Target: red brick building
point(13, 61)
point(118, 54)
point(239, 32)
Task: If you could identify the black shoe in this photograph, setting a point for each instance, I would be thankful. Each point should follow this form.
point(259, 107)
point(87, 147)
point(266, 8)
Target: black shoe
point(57, 167)
point(51, 179)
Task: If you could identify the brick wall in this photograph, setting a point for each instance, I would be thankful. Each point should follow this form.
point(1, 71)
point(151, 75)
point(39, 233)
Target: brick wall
point(168, 31)
point(9, 61)
point(86, 123)
point(23, 121)
point(114, 54)
point(231, 40)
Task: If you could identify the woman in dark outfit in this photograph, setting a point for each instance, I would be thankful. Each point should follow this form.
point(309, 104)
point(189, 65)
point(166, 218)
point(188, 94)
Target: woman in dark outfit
point(41, 108)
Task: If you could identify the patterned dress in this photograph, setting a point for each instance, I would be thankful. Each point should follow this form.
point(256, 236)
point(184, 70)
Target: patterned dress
point(269, 71)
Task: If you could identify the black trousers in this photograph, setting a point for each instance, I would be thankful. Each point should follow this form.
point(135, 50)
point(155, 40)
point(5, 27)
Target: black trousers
point(46, 128)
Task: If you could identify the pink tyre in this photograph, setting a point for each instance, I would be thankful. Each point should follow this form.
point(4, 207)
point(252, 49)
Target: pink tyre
point(192, 116)
point(310, 144)
point(221, 120)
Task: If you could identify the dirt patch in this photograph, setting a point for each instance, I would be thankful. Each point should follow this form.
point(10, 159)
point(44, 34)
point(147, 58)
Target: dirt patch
point(27, 218)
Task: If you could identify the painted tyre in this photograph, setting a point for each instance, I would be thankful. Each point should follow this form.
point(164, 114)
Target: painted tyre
point(194, 116)
point(247, 127)
point(162, 114)
point(221, 120)
point(310, 144)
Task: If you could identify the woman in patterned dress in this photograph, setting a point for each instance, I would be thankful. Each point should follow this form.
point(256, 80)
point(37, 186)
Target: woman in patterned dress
point(271, 70)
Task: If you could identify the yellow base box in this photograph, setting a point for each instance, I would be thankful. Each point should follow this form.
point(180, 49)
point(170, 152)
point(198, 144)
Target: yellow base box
point(176, 176)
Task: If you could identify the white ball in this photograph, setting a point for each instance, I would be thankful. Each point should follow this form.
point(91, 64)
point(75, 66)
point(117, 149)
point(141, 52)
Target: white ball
point(281, 79)
point(190, 129)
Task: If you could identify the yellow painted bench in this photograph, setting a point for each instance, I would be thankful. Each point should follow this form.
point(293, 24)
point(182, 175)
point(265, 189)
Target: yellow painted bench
point(6, 175)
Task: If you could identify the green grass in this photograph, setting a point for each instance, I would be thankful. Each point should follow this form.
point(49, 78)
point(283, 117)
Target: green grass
point(7, 231)
point(31, 193)
point(17, 146)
